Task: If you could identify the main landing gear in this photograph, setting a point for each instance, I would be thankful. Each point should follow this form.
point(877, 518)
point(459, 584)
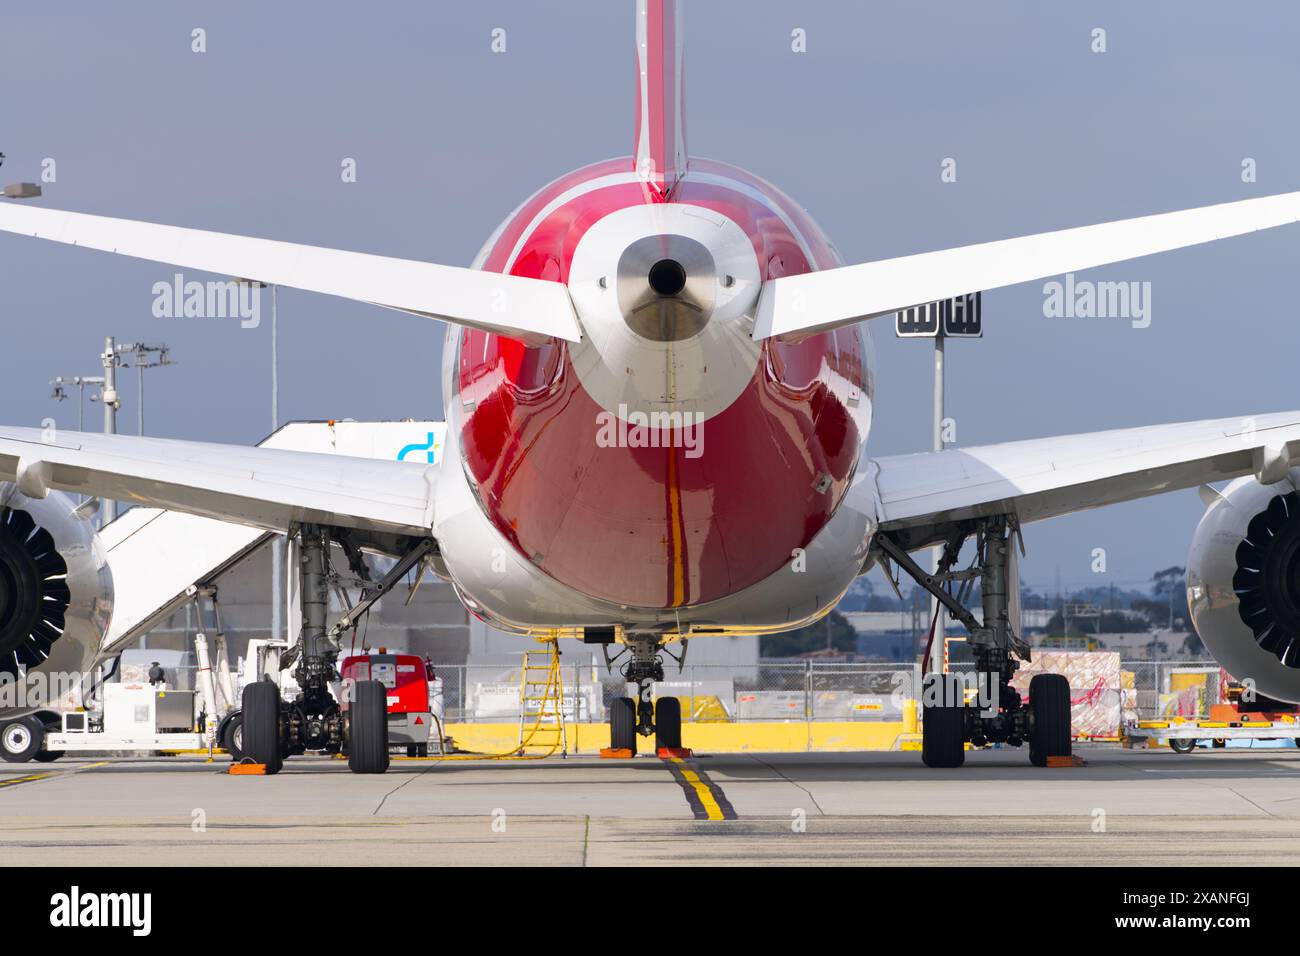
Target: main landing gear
point(957, 711)
point(642, 715)
point(327, 716)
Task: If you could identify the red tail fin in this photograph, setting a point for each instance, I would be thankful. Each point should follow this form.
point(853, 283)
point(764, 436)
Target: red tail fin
point(660, 123)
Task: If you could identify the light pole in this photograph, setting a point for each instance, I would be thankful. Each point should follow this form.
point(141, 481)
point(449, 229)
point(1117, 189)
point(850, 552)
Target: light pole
point(277, 546)
point(78, 382)
point(141, 351)
point(960, 317)
point(59, 393)
point(938, 647)
point(112, 402)
point(275, 359)
point(277, 543)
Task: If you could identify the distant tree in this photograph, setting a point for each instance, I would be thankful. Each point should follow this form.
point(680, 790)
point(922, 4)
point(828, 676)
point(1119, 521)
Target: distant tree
point(1031, 600)
point(1112, 622)
point(832, 632)
point(859, 596)
point(1167, 606)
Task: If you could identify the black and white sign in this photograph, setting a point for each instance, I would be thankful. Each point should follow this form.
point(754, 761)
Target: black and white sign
point(951, 318)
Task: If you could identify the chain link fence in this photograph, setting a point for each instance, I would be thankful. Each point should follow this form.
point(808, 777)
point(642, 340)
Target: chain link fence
point(773, 690)
point(796, 691)
point(766, 691)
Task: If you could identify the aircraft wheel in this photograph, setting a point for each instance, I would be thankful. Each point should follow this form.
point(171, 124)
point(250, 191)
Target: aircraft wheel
point(1183, 746)
point(232, 736)
point(1049, 703)
point(668, 722)
point(47, 756)
point(943, 722)
point(622, 724)
point(368, 735)
point(260, 725)
point(20, 739)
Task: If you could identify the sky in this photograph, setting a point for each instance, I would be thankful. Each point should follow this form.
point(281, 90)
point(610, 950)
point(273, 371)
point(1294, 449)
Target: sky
point(449, 136)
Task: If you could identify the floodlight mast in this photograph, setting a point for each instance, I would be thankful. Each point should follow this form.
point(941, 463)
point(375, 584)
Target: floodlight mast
point(142, 352)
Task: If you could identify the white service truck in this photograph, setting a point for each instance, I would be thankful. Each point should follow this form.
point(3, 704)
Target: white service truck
point(129, 717)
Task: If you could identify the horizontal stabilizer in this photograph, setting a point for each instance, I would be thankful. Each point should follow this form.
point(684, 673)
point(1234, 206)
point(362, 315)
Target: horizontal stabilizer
point(817, 301)
point(532, 310)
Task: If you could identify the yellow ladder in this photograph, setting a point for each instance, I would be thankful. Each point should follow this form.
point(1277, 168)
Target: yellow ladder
point(541, 702)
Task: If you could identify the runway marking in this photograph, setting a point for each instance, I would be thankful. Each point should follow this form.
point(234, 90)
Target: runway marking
point(705, 797)
point(32, 778)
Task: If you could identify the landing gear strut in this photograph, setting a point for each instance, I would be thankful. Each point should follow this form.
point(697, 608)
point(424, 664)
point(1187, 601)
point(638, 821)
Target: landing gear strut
point(271, 729)
point(642, 715)
point(993, 711)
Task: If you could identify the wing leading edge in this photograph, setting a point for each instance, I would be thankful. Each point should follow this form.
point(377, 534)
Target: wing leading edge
point(1045, 478)
point(263, 487)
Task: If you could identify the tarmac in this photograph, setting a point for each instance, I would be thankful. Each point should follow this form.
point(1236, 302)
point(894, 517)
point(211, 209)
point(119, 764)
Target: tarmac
point(1122, 808)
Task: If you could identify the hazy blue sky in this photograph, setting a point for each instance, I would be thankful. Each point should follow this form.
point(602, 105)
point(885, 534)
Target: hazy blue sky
point(248, 137)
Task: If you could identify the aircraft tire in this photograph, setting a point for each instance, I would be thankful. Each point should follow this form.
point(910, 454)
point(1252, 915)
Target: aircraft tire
point(368, 739)
point(261, 725)
point(668, 723)
point(622, 724)
point(1049, 702)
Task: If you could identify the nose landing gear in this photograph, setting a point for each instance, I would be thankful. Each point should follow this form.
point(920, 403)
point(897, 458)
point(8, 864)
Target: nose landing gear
point(643, 715)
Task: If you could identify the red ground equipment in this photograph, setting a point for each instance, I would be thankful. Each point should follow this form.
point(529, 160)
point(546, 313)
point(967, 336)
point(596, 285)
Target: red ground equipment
point(407, 678)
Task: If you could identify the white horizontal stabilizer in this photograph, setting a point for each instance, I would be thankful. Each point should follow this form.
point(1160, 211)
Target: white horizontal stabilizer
point(816, 301)
point(533, 310)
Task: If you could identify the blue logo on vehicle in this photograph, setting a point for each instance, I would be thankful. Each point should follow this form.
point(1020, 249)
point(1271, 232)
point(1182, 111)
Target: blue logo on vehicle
point(431, 447)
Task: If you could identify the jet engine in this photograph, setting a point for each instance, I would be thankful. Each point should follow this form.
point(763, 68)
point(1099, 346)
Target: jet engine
point(56, 598)
point(1243, 583)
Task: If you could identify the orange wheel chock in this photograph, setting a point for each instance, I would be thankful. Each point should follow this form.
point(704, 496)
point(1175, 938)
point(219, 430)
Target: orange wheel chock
point(247, 769)
point(1070, 761)
point(667, 753)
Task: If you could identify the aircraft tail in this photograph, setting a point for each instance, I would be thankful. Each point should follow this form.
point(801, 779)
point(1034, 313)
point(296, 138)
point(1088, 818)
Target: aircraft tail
point(660, 120)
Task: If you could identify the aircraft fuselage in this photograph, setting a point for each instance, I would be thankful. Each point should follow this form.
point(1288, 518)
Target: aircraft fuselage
point(667, 462)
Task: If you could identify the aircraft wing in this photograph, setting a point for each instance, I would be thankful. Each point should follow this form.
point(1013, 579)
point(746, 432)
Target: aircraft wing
point(816, 301)
point(1043, 478)
point(532, 310)
point(263, 487)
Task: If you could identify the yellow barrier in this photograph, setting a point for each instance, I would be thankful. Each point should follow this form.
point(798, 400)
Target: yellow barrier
point(756, 736)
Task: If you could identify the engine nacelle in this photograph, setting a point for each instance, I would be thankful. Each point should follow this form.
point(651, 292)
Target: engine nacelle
point(56, 598)
point(1243, 584)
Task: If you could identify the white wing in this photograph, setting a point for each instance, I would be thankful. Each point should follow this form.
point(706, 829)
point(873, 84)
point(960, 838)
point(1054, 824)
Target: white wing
point(264, 487)
point(533, 310)
point(1042, 478)
point(824, 300)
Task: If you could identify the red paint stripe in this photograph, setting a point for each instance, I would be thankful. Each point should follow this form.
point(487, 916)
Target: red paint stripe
point(505, 244)
point(655, 86)
point(662, 123)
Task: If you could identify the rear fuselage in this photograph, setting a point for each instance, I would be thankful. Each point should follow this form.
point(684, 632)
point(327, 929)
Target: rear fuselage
point(667, 461)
